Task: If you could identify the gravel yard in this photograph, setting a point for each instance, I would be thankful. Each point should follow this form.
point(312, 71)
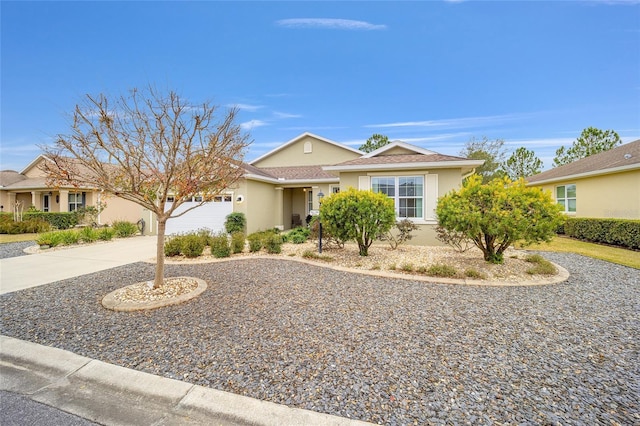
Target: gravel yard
point(384, 350)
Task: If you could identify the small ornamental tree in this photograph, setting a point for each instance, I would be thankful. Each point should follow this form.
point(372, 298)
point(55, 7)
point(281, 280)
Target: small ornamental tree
point(497, 214)
point(358, 215)
point(148, 146)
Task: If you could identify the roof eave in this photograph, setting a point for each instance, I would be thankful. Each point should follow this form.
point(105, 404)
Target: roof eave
point(405, 166)
point(593, 173)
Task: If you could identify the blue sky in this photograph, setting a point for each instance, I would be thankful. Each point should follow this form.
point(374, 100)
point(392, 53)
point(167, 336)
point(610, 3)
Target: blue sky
point(434, 74)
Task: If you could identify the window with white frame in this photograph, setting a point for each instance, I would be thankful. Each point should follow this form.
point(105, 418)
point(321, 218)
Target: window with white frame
point(406, 191)
point(309, 201)
point(566, 197)
point(76, 201)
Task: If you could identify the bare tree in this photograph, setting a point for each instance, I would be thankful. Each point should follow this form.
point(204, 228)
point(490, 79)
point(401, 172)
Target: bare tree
point(148, 146)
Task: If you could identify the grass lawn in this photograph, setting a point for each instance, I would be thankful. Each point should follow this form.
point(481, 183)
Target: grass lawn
point(598, 251)
point(14, 238)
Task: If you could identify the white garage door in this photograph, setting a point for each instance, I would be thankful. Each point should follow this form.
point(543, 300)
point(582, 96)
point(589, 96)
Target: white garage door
point(210, 216)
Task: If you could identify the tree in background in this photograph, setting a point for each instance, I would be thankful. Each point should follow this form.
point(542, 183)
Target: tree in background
point(358, 215)
point(491, 151)
point(591, 141)
point(522, 163)
point(497, 214)
point(147, 146)
point(374, 142)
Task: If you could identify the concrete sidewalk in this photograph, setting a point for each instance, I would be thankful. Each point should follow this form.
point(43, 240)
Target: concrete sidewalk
point(22, 272)
point(113, 395)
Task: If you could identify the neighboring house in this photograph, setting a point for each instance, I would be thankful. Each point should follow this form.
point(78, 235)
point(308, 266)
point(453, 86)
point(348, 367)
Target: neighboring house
point(20, 191)
point(280, 189)
point(604, 185)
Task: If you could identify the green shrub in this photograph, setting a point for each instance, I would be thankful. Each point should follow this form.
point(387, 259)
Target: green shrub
point(407, 267)
point(299, 235)
point(273, 243)
point(473, 273)
point(402, 234)
point(69, 237)
point(26, 226)
point(237, 242)
point(358, 215)
point(204, 234)
point(173, 246)
point(105, 234)
point(192, 245)
point(58, 220)
point(220, 245)
point(255, 242)
point(124, 229)
point(235, 222)
point(88, 235)
point(441, 270)
point(50, 239)
point(541, 265)
point(497, 214)
point(619, 232)
point(308, 254)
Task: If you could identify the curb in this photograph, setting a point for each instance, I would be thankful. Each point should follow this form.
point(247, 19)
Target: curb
point(114, 395)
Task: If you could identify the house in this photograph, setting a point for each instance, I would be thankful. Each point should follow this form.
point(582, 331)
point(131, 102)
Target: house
point(604, 185)
point(280, 188)
point(20, 191)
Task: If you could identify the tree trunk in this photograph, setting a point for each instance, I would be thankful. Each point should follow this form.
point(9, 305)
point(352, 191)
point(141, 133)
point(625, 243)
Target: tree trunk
point(159, 278)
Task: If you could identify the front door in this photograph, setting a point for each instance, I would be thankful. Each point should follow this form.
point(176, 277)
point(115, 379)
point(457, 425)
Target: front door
point(45, 202)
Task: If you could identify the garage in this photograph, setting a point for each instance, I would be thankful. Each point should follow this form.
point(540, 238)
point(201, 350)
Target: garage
point(210, 215)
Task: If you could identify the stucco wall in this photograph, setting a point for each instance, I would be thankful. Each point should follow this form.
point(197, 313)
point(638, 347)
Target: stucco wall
point(119, 209)
point(448, 180)
point(295, 155)
point(260, 206)
point(614, 196)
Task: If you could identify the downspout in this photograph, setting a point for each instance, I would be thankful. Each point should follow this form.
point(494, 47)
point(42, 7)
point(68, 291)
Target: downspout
point(469, 174)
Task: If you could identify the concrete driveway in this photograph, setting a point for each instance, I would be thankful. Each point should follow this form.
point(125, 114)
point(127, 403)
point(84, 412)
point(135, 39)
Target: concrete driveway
point(22, 272)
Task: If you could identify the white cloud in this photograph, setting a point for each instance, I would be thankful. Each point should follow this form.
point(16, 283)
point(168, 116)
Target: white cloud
point(453, 123)
point(285, 115)
point(252, 124)
point(245, 107)
point(329, 23)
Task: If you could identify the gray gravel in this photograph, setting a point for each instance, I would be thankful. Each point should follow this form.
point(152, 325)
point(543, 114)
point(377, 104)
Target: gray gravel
point(382, 350)
point(14, 249)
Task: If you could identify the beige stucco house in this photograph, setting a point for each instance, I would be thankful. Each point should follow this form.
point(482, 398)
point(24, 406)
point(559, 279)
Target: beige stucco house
point(280, 189)
point(604, 185)
point(28, 188)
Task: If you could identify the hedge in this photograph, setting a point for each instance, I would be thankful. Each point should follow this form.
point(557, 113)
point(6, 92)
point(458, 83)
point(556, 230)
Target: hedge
point(619, 232)
point(59, 220)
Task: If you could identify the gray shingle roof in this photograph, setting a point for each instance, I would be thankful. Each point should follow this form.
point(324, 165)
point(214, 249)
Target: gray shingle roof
point(627, 155)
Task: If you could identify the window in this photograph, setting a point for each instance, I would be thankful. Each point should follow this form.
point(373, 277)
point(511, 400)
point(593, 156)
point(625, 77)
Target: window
point(335, 189)
point(566, 197)
point(309, 201)
point(406, 191)
point(76, 201)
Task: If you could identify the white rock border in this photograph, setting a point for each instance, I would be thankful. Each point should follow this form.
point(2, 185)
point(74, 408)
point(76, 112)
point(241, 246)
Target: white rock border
point(111, 302)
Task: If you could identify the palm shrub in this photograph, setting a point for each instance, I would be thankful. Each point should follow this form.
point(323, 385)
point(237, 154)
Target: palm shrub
point(105, 234)
point(358, 215)
point(499, 213)
point(124, 229)
point(88, 235)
